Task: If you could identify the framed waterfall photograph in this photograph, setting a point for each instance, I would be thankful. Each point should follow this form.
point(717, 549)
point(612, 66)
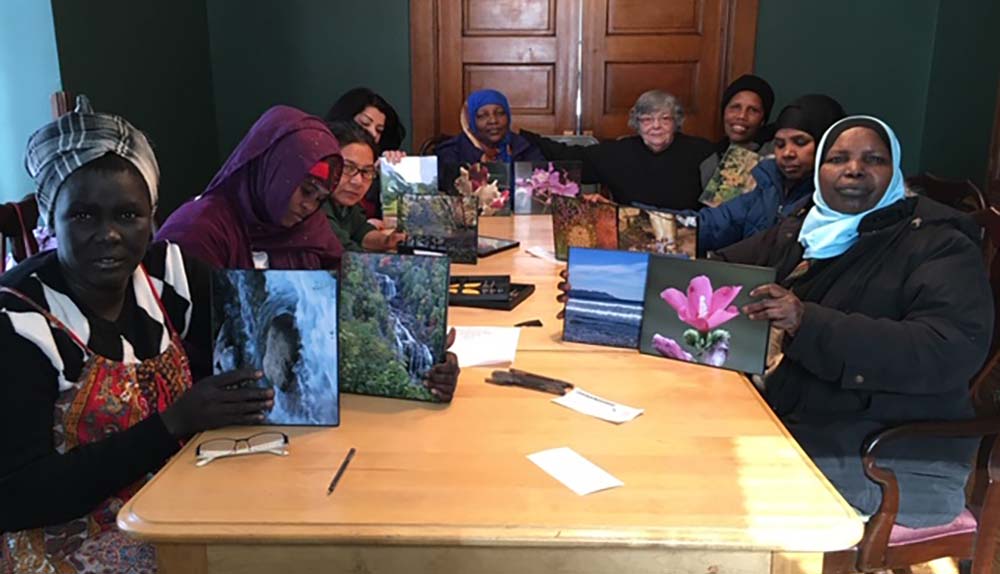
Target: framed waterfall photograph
point(393, 323)
point(284, 324)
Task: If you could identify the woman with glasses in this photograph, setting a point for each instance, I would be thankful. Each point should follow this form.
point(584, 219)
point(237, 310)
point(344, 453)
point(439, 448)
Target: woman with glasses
point(261, 211)
point(97, 389)
point(344, 212)
point(486, 134)
point(375, 115)
point(659, 166)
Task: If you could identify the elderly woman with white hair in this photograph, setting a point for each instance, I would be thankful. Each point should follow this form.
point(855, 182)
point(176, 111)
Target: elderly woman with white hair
point(658, 166)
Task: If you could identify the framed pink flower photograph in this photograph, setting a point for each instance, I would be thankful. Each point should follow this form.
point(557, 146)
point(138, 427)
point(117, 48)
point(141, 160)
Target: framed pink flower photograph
point(692, 312)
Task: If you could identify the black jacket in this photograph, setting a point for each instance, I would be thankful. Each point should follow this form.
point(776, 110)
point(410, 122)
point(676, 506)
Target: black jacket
point(892, 331)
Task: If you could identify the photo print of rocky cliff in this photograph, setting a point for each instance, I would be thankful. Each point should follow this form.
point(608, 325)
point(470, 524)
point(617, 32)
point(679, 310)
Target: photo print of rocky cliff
point(393, 321)
point(283, 323)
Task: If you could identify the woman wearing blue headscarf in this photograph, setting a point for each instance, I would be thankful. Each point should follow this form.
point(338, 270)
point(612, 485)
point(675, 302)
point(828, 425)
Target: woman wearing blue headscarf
point(887, 314)
point(486, 134)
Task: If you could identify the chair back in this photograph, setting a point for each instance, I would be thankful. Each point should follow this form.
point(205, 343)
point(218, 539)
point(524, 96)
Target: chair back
point(17, 223)
point(961, 195)
point(575, 139)
point(431, 143)
point(986, 383)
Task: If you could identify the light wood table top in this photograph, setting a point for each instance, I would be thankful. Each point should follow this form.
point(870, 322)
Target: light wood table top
point(708, 470)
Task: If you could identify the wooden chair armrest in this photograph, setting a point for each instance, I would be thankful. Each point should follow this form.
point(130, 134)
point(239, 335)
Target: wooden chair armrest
point(873, 547)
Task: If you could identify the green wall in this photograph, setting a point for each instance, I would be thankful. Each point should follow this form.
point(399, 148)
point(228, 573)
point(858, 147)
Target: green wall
point(304, 53)
point(874, 57)
point(963, 90)
point(29, 73)
point(149, 62)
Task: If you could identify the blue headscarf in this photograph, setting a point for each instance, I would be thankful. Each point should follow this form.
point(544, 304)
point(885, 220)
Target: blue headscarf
point(483, 98)
point(828, 233)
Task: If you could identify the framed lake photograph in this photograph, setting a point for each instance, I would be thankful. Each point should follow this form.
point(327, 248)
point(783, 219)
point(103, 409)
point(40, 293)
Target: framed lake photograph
point(692, 312)
point(604, 303)
point(535, 182)
point(393, 321)
point(283, 323)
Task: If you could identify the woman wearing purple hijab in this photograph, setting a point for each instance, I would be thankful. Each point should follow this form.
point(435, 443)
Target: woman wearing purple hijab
point(262, 209)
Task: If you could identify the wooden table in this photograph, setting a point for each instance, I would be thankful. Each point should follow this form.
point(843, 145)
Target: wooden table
point(713, 482)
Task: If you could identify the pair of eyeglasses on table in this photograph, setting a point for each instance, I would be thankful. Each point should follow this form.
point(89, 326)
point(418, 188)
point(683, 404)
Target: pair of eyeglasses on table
point(273, 442)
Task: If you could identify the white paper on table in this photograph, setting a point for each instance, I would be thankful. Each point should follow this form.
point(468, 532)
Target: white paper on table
point(545, 254)
point(577, 473)
point(485, 345)
point(583, 402)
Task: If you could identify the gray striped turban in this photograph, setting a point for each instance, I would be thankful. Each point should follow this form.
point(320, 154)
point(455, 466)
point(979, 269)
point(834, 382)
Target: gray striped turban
point(58, 149)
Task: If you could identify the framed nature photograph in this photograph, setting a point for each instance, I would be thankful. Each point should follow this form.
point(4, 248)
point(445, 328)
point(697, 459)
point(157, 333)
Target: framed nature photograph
point(446, 224)
point(416, 175)
point(732, 178)
point(488, 182)
point(659, 232)
point(283, 323)
point(693, 312)
point(393, 321)
point(580, 223)
point(535, 182)
point(604, 303)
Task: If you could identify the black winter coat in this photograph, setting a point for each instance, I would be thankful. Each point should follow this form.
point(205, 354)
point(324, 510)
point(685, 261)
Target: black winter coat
point(892, 332)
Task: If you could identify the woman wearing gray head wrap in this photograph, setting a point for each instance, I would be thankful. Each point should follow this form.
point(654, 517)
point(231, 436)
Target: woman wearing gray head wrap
point(97, 386)
point(58, 149)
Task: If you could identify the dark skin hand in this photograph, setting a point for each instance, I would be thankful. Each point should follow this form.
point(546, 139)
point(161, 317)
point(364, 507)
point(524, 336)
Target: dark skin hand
point(219, 401)
point(443, 377)
point(563, 287)
point(779, 305)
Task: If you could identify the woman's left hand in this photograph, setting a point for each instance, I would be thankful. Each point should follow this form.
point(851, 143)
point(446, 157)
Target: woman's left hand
point(779, 305)
point(443, 377)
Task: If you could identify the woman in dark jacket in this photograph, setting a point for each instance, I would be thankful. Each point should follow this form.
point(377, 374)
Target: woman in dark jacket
point(486, 133)
point(784, 182)
point(886, 312)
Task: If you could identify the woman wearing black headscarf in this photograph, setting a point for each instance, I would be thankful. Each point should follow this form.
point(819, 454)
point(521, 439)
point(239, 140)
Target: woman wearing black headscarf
point(745, 108)
point(783, 182)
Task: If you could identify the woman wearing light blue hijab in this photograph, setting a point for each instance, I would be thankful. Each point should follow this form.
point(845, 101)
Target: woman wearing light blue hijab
point(886, 312)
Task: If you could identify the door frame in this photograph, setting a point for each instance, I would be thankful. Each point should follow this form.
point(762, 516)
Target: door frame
point(739, 44)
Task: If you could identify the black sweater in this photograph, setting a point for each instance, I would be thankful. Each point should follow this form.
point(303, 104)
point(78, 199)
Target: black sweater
point(670, 179)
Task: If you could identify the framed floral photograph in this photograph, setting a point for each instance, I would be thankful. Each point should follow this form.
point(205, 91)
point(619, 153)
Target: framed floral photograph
point(536, 182)
point(693, 312)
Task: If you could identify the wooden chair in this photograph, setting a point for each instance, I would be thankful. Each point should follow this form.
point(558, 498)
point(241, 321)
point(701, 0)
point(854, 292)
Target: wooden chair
point(974, 534)
point(961, 195)
point(986, 384)
point(431, 143)
point(17, 221)
point(889, 546)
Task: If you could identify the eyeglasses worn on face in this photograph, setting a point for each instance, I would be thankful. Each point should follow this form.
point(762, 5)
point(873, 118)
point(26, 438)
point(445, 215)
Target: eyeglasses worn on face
point(273, 442)
point(351, 170)
point(648, 120)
